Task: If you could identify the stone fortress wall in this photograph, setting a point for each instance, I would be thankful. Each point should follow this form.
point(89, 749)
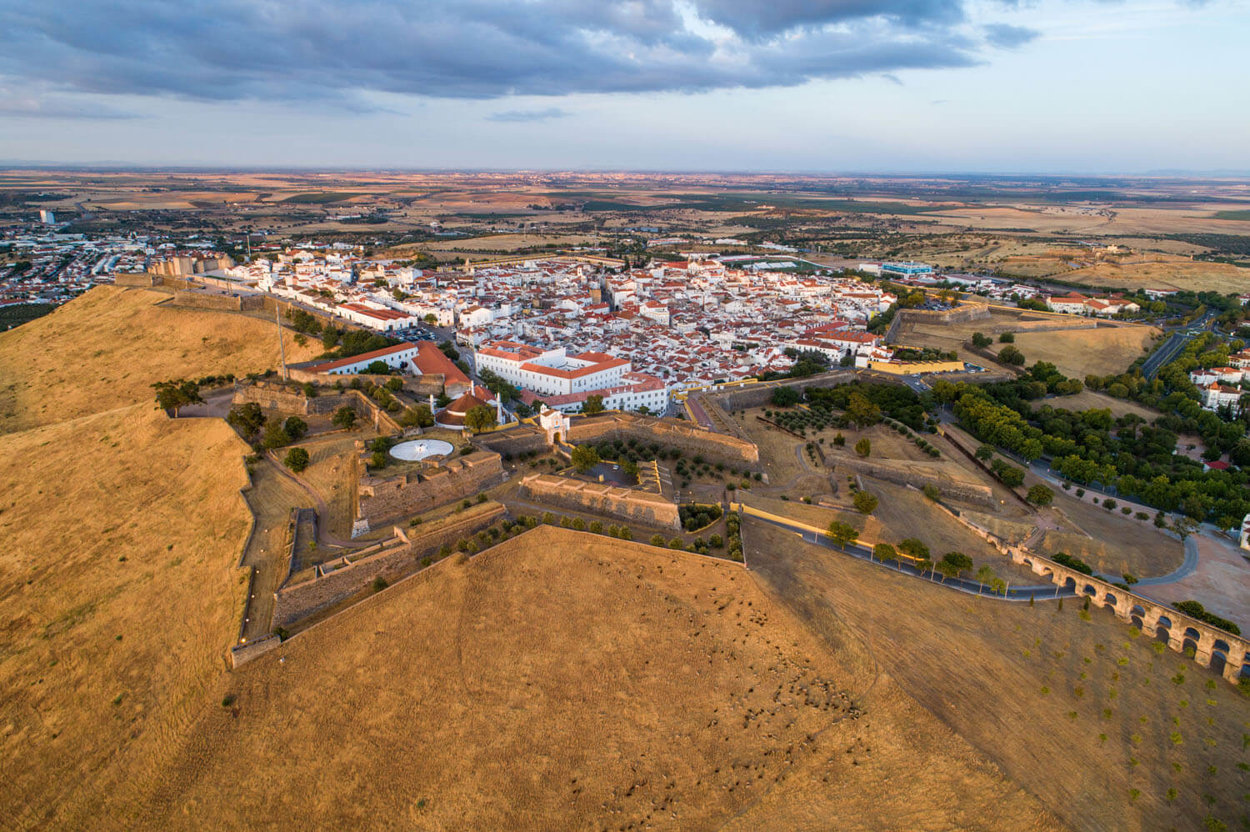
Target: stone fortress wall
point(383, 499)
point(644, 507)
point(339, 580)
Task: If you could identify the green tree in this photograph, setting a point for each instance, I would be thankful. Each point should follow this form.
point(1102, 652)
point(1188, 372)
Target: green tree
point(842, 533)
point(274, 436)
point(177, 394)
point(584, 457)
point(985, 452)
point(914, 547)
point(1011, 355)
point(786, 396)
point(985, 575)
point(593, 405)
point(295, 428)
point(861, 411)
point(1007, 338)
point(378, 368)
point(344, 418)
point(884, 551)
point(863, 447)
point(657, 540)
point(865, 503)
point(296, 459)
point(958, 560)
point(981, 340)
point(479, 418)
point(247, 419)
point(1040, 495)
point(378, 459)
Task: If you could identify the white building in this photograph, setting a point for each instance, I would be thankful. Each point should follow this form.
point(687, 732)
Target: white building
point(398, 357)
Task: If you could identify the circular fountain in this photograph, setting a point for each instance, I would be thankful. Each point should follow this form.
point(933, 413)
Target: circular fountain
point(416, 450)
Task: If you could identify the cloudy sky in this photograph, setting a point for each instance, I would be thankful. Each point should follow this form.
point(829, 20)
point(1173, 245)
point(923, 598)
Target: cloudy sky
point(797, 85)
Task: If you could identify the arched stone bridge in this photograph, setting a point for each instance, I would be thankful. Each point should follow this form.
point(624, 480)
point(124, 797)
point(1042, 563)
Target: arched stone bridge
point(1211, 645)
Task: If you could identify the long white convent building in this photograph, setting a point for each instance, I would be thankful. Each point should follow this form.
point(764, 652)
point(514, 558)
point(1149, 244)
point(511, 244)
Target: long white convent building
point(564, 382)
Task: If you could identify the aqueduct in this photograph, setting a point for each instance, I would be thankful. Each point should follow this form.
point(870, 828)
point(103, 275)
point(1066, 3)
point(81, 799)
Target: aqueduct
point(1210, 644)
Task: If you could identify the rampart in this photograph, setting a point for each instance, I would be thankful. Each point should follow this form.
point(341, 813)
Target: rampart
point(224, 303)
point(383, 499)
point(514, 440)
point(920, 474)
point(758, 395)
point(276, 395)
point(669, 432)
point(639, 506)
point(339, 580)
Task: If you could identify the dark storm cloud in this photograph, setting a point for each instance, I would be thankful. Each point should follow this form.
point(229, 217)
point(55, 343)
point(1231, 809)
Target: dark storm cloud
point(302, 50)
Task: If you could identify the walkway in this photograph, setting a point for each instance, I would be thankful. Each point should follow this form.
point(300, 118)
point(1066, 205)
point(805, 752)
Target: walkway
point(324, 536)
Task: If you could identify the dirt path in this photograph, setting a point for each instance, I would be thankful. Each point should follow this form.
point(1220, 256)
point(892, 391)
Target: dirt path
point(324, 536)
point(271, 499)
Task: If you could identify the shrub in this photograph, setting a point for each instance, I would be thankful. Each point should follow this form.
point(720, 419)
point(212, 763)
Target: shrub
point(863, 447)
point(296, 459)
point(379, 584)
point(657, 540)
point(865, 503)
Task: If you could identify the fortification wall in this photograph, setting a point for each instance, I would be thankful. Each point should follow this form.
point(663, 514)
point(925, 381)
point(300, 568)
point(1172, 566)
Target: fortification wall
point(598, 498)
point(918, 475)
point(224, 303)
point(141, 280)
point(381, 500)
point(275, 395)
point(347, 577)
point(670, 432)
point(514, 440)
point(758, 395)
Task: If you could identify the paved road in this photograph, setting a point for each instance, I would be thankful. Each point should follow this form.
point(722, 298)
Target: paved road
point(1040, 592)
point(1175, 343)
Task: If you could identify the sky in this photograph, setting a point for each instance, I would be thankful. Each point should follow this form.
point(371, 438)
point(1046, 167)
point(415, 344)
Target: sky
point(889, 86)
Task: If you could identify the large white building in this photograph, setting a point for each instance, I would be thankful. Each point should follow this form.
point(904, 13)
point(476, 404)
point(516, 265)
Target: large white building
point(564, 382)
point(398, 357)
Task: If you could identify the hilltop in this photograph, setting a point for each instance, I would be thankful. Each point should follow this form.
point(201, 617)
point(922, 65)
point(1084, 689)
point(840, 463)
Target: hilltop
point(564, 680)
point(105, 349)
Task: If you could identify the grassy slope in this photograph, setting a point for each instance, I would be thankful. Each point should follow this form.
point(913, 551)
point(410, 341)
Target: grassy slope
point(103, 659)
point(570, 681)
point(1079, 712)
point(105, 349)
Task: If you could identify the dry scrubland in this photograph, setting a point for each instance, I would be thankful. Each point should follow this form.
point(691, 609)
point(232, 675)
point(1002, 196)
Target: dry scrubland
point(562, 681)
point(1195, 276)
point(106, 348)
point(1079, 352)
point(118, 600)
point(1083, 715)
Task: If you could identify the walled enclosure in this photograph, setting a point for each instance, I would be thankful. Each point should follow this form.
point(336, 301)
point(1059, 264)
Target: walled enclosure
point(345, 578)
point(383, 499)
point(670, 432)
point(275, 395)
point(600, 498)
point(920, 474)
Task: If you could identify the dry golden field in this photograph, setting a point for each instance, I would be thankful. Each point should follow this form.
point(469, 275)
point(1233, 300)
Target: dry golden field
point(1165, 273)
point(566, 681)
point(105, 349)
point(1084, 715)
point(1079, 352)
point(120, 595)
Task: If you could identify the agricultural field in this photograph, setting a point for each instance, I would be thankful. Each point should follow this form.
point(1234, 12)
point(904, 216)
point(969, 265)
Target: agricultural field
point(1080, 352)
point(106, 348)
point(469, 725)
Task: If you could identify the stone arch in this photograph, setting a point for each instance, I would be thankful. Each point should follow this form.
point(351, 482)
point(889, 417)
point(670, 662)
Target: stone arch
point(1137, 615)
point(1069, 583)
point(1090, 589)
point(1187, 643)
point(1221, 645)
point(1218, 661)
point(1192, 633)
point(1163, 629)
point(1110, 602)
